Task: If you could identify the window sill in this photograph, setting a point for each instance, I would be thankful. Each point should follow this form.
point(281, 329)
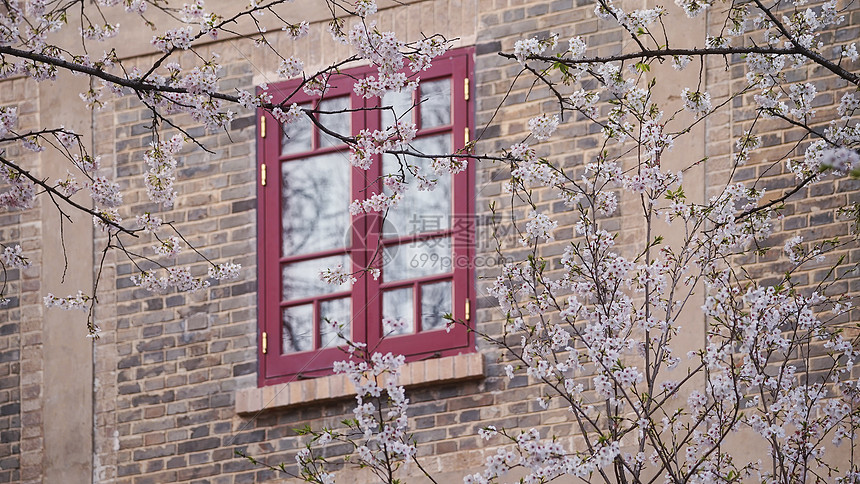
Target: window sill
point(335, 387)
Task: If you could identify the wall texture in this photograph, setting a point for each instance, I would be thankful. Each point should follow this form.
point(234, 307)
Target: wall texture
point(168, 369)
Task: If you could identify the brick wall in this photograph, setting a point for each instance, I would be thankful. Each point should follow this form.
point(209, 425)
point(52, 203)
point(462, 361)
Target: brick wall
point(21, 319)
point(812, 210)
point(168, 368)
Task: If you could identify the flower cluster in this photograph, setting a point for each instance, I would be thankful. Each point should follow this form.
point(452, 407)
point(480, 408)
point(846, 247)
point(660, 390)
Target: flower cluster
point(698, 103)
point(297, 31)
point(369, 143)
point(21, 192)
point(179, 38)
point(542, 127)
point(523, 49)
point(169, 247)
point(149, 222)
point(12, 258)
point(576, 48)
point(290, 67)
point(8, 119)
point(802, 95)
point(291, 115)
point(179, 278)
point(337, 276)
point(79, 301)
point(160, 175)
point(530, 170)
point(376, 202)
point(448, 165)
point(105, 193)
point(365, 8)
point(380, 411)
point(227, 271)
point(539, 227)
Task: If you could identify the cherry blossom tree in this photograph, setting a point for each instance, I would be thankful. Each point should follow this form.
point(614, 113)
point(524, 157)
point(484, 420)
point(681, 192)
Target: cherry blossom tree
point(598, 329)
point(30, 46)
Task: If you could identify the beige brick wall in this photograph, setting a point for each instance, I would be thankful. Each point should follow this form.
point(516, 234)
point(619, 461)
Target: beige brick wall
point(173, 366)
point(20, 320)
point(169, 369)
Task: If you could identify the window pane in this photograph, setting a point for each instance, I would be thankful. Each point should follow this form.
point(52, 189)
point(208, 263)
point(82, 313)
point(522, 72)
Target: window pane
point(301, 279)
point(416, 259)
point(401, 102)
point(435, 103)
point(338, 123)
point(296, 137)
point(435, 304)
point(297, 329)
point(420, 211)
point(337, 312)
point(315, 204)
point(397, 304)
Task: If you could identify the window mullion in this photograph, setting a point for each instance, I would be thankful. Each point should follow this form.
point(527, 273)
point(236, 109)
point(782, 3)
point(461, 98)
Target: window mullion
point(365, 230)
point(366, 308)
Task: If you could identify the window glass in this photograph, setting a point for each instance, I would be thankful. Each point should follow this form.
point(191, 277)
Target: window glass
point(314, 204)
point(416, 259)
point(420, 210)
point(435, 103)
point(335, 315)
point(297, 329)
point(401, 105)
point(301, 279)
point(296, 137)
point(337, 122)
point(306, 227)
point(435, 304)
point(397, 304)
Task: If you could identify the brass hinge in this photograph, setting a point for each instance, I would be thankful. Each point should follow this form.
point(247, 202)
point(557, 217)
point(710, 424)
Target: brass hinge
point(263, 127)
point(468, 309)
point(263, 174)
point(466, 89)
point(466, 134)
point(265, 343)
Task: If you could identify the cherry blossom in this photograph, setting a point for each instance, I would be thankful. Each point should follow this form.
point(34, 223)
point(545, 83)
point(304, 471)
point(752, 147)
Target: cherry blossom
point(542, 127)
point(11, 257)
point(595, 315)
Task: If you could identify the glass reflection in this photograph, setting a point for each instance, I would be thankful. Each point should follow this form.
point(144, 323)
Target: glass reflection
point(435, 304)
point(416, 259)
point(401, 103)
point(315, 204)
point(420, 211)
point(301, 279)
point(297, 329)
point(334, 317)
point(397, 304)
point(296, 136)
point(338, 123)
point(435, 103)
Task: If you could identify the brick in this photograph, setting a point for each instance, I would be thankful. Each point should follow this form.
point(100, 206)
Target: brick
point(204, 348)
point(198, 445)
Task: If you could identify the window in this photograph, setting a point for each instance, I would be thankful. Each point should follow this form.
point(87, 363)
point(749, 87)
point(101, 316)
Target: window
point(423, 247)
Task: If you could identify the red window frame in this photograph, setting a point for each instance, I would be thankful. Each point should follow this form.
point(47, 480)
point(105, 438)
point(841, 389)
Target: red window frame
point(365, 294)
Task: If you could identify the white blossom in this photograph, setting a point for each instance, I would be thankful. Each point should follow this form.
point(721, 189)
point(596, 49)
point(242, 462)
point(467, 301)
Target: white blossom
point(539, 226)
point(290, 67)
point(12, 257)
point(542, 127)
point(698, 103)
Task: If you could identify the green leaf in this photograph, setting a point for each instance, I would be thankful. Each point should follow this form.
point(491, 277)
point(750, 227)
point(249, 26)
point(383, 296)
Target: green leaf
point(643, 67)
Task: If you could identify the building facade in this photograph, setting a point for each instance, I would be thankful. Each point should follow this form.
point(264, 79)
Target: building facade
point(179, 384)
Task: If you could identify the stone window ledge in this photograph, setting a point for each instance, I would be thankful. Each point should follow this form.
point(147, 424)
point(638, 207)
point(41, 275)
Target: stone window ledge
point(334, 387)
